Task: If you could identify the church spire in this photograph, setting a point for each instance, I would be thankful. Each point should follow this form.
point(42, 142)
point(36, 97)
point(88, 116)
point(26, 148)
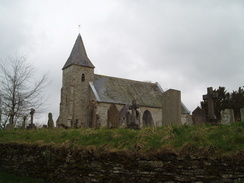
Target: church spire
point(78, 55)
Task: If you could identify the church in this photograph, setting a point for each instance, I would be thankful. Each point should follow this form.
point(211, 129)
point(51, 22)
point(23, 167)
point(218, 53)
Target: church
point(90, 100)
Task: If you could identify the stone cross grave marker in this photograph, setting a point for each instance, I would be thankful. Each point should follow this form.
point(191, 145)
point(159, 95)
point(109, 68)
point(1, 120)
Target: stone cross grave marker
point(134, 123)
point(32, 125)
point(210, 96)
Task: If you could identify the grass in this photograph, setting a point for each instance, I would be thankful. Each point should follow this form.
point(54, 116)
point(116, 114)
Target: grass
point(10, 178)
point(215, 140)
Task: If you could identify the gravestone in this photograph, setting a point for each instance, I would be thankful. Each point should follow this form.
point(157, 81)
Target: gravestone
point(171, 107)
point(210, 96)
point(242, 114)
point(32, 125)
point(92, 117)
point(199, 116)
point(227, 116)
point(50, 122)
point(24, 122)
point(113, 117)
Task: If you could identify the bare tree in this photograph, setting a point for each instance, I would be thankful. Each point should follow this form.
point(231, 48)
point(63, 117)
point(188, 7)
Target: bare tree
point(19, 91)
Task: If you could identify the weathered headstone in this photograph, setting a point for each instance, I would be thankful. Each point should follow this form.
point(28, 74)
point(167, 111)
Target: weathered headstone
point(24, 122)
point(92, 118)
point(113, 117)
point(210, 96)
point(171, 107)
point(227, 116)
point(242, 114)
point(198, 116)
point(50, 122)
point(32, 125)
point(123, 120)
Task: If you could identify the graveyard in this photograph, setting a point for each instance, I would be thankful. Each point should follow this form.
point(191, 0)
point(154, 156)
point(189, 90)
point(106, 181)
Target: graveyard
point(208, 149)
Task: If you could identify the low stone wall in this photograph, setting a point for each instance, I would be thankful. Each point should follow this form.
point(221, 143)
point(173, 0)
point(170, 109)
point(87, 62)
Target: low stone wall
point(79, 165)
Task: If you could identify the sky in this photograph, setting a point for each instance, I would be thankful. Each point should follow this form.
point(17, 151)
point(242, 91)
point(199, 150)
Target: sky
point(187, 45)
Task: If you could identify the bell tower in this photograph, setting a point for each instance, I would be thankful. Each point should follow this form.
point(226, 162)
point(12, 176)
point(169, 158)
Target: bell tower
point(78, 71)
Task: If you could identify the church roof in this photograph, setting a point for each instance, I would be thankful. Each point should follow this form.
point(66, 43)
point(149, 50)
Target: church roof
point(123, 91)
point(78, 55)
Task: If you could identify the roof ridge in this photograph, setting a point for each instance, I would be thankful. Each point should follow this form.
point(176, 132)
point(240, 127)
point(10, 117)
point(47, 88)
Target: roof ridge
point(148, 82)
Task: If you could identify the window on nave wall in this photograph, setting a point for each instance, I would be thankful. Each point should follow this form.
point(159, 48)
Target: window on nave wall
point(147, 119)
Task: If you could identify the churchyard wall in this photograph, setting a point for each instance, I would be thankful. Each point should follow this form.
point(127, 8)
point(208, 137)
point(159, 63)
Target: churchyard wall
point(60, 164)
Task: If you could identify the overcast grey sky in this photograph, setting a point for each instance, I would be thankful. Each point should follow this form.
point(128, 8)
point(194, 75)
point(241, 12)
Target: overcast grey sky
point(187, 45)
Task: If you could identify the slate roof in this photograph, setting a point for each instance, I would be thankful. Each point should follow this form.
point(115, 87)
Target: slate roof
point(78, 55)
point(123, 91)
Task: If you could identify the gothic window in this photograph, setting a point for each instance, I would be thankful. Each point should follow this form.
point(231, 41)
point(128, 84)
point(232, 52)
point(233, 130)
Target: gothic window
point(147, 119)
point(83, 77)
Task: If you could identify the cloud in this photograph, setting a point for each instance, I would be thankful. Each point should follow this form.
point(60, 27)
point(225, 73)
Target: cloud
point(186, 45)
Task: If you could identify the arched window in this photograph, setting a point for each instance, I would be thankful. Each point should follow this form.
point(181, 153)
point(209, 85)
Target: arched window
point(83, 77)
point(147, 119)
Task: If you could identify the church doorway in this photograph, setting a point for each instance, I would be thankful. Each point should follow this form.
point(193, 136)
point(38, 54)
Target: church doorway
point(113, 117)
point(147, 119)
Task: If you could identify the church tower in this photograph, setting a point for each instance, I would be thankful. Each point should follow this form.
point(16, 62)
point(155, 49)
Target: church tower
point(78, 71)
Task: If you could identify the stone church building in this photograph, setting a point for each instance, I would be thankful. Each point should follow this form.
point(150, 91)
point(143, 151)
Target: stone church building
point(92, 100)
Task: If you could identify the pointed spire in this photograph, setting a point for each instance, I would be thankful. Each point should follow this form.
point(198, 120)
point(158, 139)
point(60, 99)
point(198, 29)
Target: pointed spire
point(78, 55)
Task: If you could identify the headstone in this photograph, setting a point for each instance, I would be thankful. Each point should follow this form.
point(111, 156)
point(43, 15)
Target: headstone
point(9, 126)
point(198, 116)
point(242, 114)
point(210, 96)
point(32, 125)
point(171, 107)
point(24, 122)
point(227, 116)
point(50, 122)
point(92, 118)
point(113, 117)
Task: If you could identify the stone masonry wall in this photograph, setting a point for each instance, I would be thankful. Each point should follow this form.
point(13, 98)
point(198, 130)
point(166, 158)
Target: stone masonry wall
point(79, 165)
point(155, 112)
point(75, 95)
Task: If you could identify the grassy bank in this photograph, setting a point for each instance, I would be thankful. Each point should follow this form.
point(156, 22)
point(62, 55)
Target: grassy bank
point(215, 140)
